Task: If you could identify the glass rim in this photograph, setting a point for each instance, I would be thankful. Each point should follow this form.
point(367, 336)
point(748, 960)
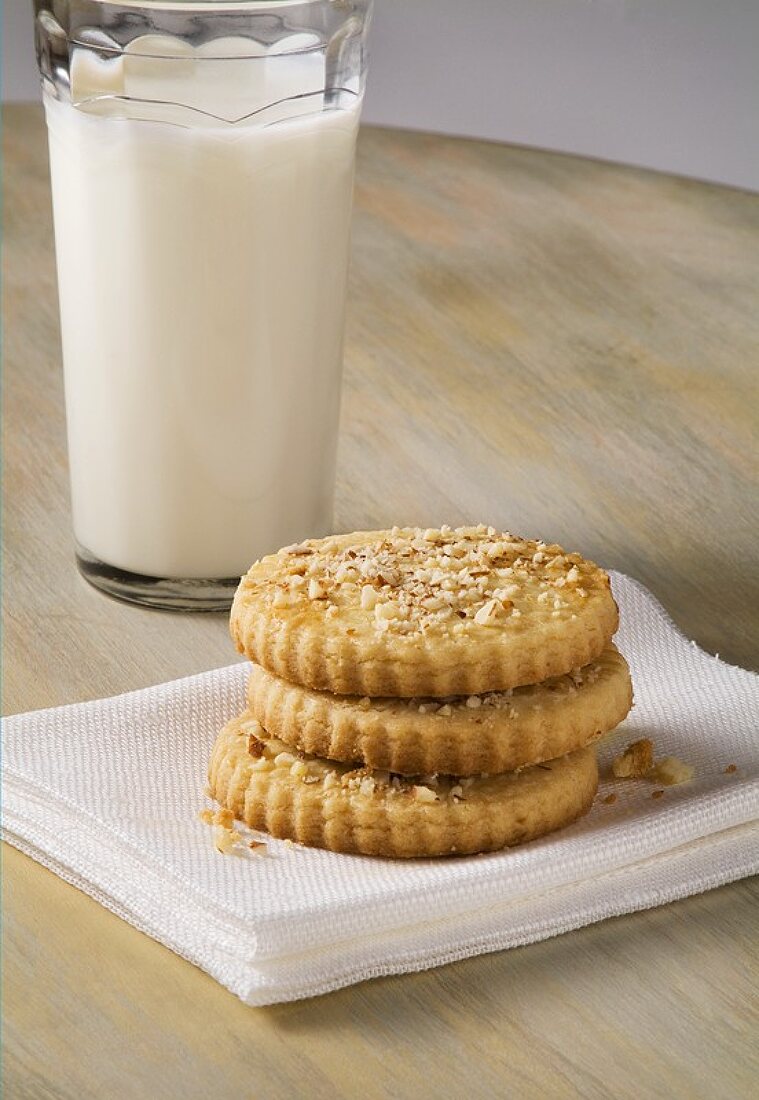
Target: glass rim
point(354, 16)
point(194, 57)
point(208, 5)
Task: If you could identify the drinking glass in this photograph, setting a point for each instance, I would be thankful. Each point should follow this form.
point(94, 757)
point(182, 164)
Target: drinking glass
point(201, 159)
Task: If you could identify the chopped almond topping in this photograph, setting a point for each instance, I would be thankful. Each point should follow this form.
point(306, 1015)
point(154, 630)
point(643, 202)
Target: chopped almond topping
point(419, 578)
point(387, 610)
point(488, 613)
point(255, 747)
point(424, 794)
point(368, 597)
point(298, 549)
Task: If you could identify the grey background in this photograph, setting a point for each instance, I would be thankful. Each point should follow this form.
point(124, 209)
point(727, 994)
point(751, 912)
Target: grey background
point(667, 84)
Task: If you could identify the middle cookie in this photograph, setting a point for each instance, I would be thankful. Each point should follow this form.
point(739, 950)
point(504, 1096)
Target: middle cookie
point(472, 735)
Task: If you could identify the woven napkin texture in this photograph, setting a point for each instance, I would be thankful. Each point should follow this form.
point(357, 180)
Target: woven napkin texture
point(107, 795)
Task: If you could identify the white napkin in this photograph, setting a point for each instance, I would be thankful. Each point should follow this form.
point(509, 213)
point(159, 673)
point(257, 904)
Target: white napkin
point(107, 795)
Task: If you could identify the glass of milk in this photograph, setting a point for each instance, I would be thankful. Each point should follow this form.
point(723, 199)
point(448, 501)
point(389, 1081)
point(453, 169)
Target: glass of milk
point(201, 156)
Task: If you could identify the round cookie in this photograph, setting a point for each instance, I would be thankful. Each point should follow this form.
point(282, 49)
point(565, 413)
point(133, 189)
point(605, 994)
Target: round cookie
point(327, 805)
point(434, 613)
point(462, 735)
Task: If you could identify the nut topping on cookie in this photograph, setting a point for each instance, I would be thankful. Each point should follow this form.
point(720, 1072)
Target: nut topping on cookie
point(413, 579)
point(432, 611)
point(375, 812)
point(449, 735)
point(255, 747)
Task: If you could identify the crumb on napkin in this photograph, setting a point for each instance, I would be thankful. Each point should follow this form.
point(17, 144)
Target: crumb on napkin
point(635, 761)
point(225, 837)
point(670, 771)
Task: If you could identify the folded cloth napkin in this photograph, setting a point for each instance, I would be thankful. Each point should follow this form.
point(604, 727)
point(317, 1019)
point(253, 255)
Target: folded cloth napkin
point(107, 795)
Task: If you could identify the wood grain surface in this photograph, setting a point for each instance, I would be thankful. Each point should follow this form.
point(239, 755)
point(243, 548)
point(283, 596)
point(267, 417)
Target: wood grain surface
point(558, 346)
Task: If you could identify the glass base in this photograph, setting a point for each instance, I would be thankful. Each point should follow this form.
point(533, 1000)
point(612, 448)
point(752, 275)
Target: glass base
point(164, 593)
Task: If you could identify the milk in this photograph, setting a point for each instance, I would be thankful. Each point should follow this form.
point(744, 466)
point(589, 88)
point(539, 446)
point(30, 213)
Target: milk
point(201, 269)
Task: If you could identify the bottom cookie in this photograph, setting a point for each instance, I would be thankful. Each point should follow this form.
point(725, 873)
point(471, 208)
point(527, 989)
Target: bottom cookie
point(327, 805)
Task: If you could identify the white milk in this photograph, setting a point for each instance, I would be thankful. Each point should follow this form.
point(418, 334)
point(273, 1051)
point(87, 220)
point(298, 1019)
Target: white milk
point(201, 271)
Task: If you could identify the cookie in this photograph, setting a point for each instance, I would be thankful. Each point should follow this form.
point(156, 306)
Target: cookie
point(326, 805)
point(462, 735)
point(411, 613)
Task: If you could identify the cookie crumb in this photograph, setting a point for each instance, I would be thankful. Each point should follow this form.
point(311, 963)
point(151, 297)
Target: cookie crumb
point(206, 816)
point(731, 769)
point(256, 845)
point(670, 771)
point(610, 798)
point(657, 794)
point(635, 762)
point(225, 839)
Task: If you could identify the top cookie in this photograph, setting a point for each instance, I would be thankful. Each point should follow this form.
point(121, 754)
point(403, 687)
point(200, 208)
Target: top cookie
point(411, 612)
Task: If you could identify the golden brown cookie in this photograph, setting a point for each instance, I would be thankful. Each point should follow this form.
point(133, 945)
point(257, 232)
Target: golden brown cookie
point(462, 735)
point(409, 613)
point(326, 805)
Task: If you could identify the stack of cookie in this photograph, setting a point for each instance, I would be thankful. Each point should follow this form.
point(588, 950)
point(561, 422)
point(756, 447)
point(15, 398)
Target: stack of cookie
point(420, 692)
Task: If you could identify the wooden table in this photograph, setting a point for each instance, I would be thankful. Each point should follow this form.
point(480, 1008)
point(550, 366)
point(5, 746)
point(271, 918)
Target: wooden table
point(546, 343)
